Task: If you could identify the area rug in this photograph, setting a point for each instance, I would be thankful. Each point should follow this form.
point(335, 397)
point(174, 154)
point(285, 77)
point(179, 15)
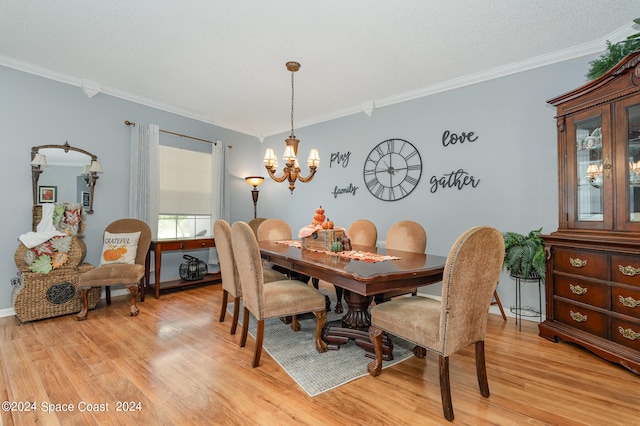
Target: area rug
point(312, 371)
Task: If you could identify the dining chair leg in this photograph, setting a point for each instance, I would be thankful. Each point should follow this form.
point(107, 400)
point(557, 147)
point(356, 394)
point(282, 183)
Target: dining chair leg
point(107, 293)
point(133, 296)
point(375, 367)
point(82, 315)
point(259, 338)
point(481, 369)
point(295, 324)
point(497, 302)
point(321, 320)
point(445, 388)
point(236, 314)
point(223, 306)
point(245, 328)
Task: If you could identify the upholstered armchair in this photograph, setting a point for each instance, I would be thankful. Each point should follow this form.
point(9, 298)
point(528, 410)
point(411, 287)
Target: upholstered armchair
point(274, 299)
point(119, 265)
point(470, 276)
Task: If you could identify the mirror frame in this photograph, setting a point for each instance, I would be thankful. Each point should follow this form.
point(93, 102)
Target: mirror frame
point(36, 170)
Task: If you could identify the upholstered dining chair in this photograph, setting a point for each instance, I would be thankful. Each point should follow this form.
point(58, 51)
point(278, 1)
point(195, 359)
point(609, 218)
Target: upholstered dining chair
point(274, 230)
point(361, 232)
point(255, 224)
point(124, 233)
point(470, 277)
point(405, 235)
point(229, 272)
point(274, 299)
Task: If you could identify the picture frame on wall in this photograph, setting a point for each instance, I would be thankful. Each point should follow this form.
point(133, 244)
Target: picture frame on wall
point(86, 199)
point(47, 194)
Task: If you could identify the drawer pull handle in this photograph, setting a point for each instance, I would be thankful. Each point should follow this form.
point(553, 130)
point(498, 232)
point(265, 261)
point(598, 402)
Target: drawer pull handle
point(578, 263)
point(628, 333)
point(629, 301)
point(576, 289)
point(577, 316)
point(629, 270)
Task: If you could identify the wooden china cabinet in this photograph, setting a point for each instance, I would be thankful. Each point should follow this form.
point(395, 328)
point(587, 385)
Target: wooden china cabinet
point(593, 268)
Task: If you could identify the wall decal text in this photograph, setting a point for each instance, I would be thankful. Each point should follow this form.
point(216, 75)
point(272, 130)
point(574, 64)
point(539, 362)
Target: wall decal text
point(458, 179)
point(351, 189)
point(449, 138)
point(338, 158)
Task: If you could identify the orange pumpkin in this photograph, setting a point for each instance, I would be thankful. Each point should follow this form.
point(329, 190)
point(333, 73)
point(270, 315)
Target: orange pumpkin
point(329, 224)
point(320, 210)
point(318, 217)
point(112, 254)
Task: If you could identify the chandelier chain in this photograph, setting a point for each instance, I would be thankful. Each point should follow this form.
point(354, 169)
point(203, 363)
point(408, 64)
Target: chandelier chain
point(292, 91)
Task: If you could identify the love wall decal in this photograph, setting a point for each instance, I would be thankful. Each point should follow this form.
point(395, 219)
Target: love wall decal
point(460, 178)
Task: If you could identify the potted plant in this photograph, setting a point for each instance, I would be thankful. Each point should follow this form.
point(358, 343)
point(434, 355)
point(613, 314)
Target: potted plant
point(524, 255)
point(614, 53)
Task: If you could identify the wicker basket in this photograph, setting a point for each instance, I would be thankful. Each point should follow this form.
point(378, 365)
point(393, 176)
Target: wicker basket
point(38, 296)
point(76, 254)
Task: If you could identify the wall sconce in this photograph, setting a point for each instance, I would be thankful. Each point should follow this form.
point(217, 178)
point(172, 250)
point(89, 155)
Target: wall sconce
point(91, 171)
point(38, 161)
point(254, 181)
point(291, 171)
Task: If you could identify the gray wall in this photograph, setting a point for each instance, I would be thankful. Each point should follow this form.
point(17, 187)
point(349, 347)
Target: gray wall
point(514, 158)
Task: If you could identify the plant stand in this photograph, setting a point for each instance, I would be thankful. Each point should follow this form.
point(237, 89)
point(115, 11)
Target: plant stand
point(526, 311)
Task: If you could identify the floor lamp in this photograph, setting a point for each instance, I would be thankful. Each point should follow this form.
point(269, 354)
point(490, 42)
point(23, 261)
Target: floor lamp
point(254, 181)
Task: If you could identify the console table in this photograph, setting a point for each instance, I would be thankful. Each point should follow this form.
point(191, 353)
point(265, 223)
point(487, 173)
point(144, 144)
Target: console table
point(174, 244)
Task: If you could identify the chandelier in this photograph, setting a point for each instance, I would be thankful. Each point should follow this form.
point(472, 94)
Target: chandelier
point(291, 171)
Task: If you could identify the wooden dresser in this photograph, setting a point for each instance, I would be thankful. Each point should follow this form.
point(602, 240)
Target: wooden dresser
point(593, 268)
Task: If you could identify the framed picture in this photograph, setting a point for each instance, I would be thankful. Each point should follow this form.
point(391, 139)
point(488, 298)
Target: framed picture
point(47, 194)
point(86, 199)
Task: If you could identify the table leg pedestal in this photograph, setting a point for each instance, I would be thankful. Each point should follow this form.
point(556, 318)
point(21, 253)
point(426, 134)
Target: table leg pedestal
point(355, 325)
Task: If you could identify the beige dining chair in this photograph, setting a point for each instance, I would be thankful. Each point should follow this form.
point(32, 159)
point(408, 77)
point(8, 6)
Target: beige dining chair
point(361, 232)
point(229, 272)
point(131, 275)
point(470, 277)
point(274, 299)
point(274, 230)
point(405, 235)
point(255, 224)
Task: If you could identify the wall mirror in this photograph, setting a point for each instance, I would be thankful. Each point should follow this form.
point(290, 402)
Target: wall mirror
point(64, 173)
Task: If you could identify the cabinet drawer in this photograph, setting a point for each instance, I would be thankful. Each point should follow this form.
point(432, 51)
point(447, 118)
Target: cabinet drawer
point(177, 245)
point(596, 294)
point(197, 244)
point(581, 262)
point(625, 301)
point(626, 333)
point(585, 319)
point(625, 269)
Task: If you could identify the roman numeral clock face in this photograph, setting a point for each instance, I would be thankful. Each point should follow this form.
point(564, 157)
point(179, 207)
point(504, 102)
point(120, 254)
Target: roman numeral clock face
point(392, 169)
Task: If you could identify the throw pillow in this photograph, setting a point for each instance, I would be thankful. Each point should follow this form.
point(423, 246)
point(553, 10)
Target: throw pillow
point(119, 248)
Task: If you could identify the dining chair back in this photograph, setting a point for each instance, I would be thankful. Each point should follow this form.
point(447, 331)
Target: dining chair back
point(363, 232)
point(405, 235)
point(271, 300)
point(229, 272)
point(470, 277)
point(129, 275)
point(274, 230)
point(255, 224)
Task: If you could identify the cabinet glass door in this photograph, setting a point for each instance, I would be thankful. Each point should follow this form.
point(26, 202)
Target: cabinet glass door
point(591, 170)
point(632, 117)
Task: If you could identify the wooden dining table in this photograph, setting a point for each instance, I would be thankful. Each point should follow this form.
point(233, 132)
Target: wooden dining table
point(361, 281)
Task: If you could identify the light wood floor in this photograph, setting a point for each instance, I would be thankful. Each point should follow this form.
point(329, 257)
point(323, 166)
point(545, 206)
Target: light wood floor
point(183, 368)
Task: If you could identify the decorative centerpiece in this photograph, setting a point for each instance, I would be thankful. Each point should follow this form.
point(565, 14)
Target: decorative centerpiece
point(321, 234)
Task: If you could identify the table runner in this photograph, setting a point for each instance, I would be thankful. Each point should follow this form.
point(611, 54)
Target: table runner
point(351, 254)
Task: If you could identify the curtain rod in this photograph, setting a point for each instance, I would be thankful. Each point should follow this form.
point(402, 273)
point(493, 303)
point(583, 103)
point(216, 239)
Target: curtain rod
point(131, 123)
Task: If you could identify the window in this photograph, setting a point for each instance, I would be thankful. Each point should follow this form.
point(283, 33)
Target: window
point(185, 193)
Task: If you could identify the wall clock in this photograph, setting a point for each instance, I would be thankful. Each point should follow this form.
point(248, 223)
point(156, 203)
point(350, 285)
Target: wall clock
point(392, 169)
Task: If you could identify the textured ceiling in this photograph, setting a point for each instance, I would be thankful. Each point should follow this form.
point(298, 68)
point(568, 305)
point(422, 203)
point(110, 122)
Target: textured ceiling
point(223, 62)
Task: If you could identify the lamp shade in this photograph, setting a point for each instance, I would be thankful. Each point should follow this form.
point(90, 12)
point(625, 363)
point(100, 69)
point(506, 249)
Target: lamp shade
point(95, 167)
point(270, 157)
point(289, 154)
point(314, 158)
point(254, 181)
point(39, 160)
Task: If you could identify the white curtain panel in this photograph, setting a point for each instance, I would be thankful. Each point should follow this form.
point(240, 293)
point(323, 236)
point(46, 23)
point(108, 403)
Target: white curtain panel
point(144, 189)
point(219, 190)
